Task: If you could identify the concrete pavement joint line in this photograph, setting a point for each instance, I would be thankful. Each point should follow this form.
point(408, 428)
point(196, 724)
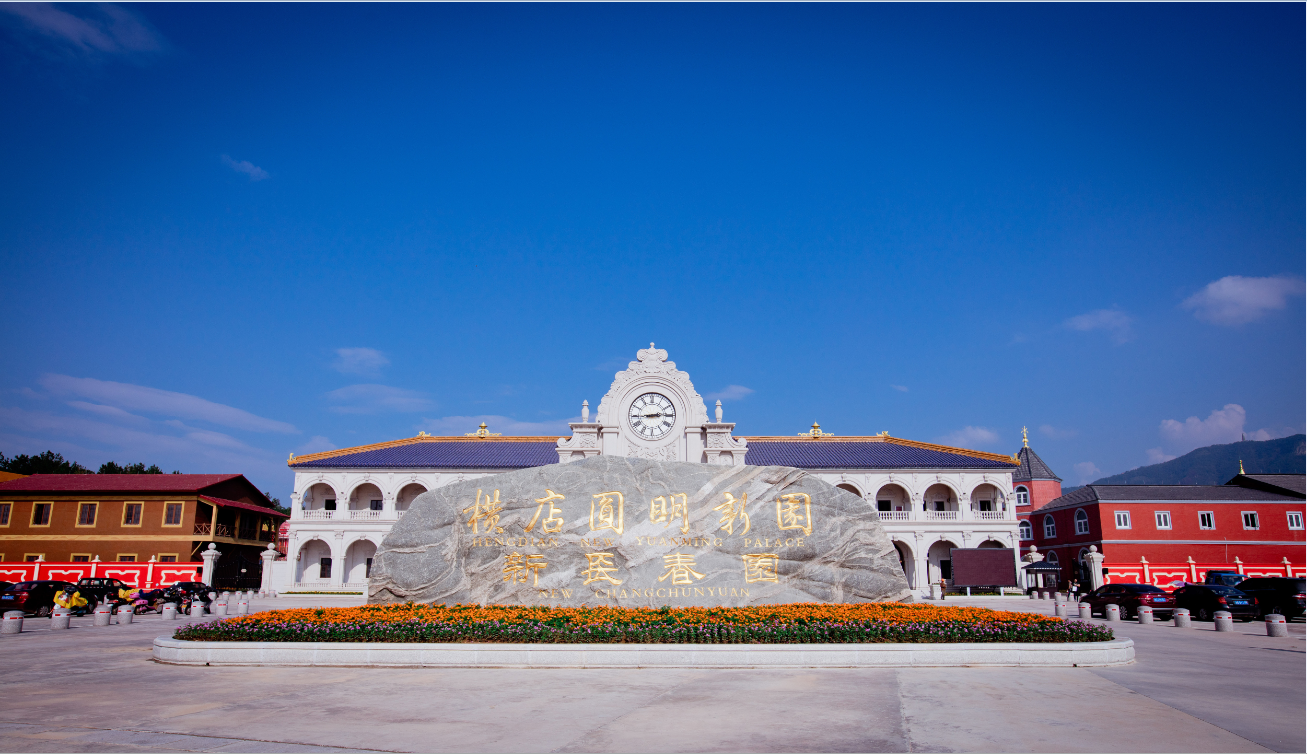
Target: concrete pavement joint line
point(1177, 709)
point(192, 735)
point(364, 654)
point(627, 713)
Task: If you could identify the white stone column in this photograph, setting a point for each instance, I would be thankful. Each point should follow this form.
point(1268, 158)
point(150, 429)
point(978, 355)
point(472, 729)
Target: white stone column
point(1094, 561)
point(296, 505)
point(388, 505)
point(338, 558)
point(267, 556)
point(210, 557)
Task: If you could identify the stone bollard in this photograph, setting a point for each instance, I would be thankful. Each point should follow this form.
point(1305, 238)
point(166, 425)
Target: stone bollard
point(12, 623)
point(125, 615)
point(197, 609)
point(213, 596)
point(1181, 617)
point(1276, 625)
point(103, 615)
point(1059, 609)
point(1223, 620)
point(1112, 613)
point(62, 617)
point(218, 608)
point(243, 607)
point(1145, 615)
point(1034, 595)
point(936, 592)
point(1043, 595)
point(169, 611)
point(1086, 611)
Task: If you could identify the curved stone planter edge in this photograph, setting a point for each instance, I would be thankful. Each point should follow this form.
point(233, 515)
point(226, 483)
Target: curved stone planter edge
point(351, 654)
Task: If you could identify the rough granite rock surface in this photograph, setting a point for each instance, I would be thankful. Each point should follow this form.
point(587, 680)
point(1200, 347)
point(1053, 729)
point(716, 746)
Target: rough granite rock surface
point(804, 540)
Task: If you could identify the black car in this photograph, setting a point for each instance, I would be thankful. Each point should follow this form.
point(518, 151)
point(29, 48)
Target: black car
point(1224, 578)
point(1130, 597)
point(1203, 600)
point(32, 597)
point(101, 591)
point(1276, 594)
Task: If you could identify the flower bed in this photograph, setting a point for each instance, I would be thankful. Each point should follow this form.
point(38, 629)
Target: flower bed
point(801, 623)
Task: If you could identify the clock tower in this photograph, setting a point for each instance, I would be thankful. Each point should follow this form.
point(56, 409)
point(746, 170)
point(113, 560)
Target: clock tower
point(653, 411)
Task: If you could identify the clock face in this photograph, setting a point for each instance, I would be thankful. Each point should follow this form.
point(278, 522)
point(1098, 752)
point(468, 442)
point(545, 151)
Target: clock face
point(652, 416)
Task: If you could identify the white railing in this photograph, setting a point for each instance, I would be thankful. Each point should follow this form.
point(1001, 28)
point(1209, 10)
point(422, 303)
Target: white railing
point(941, 515)
point(365, 514)
point(894, 515)
point(990, 515)
point(318, 514)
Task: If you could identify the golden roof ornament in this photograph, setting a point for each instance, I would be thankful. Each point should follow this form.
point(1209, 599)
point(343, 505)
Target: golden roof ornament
point(1025, 439)
point(815, 432)
point(482, 432)
point(1241, 466)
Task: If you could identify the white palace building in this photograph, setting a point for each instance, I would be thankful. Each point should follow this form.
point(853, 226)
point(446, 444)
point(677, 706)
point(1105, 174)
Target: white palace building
point(930, 498)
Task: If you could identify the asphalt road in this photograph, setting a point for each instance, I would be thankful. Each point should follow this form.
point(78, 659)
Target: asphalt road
point(1191, 690)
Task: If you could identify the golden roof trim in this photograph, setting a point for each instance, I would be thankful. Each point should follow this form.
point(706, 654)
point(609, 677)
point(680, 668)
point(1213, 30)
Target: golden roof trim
point(296, 460)
point(999, 457)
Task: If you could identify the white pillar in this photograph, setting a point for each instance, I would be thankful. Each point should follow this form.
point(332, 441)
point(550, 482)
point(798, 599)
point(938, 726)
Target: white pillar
point(296, 505)
point(267, 556)
point(338, 560)
point(210, 557)
point(1094, 560)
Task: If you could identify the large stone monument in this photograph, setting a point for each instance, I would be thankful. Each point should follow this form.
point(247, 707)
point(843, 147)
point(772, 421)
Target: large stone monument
point(633, 532)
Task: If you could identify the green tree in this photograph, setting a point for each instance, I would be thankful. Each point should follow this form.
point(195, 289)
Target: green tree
point(109, 467)
point(48, 462)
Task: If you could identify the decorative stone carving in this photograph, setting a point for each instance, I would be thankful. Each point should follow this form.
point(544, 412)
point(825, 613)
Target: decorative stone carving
point(680, 534)
point(660, 453)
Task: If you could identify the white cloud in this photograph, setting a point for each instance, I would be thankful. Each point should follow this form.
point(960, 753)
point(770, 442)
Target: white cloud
point(1237, 300)
point(969, 437)
point(730, 393)
point(1048, 430)
point(899, 388)
point(316, 444)
point(1157, 455)
point(460, 425)
point(1222, 426)
point(1116, 323)
point(377, 399)
point(1087, 472)
point(255, 172)
point(109, 412)
point(150, 400)
point(93, 29)
point(367, 362)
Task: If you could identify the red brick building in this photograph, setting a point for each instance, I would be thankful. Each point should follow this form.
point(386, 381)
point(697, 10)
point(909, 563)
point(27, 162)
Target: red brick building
point(1035, 486)
point(1253, 518)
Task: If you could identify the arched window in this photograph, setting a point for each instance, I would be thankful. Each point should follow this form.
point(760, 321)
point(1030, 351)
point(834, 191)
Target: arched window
point(1023, 496)
point(1050, 528)
point(1024, 528)
point(848, 488)
point(1052, 558)
point(1082, 522)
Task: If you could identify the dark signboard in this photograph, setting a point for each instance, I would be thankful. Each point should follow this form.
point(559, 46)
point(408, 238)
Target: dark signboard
point(984, 566)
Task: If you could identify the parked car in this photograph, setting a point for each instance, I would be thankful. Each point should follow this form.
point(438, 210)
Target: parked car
point(32, 597)
point(101, 591)
point(1203, 600)
point(1276, 594)
point(1129, 597)
point(1224, 578)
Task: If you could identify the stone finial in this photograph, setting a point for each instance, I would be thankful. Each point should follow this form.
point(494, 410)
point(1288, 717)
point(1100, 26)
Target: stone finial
point(719, 412)
point(585, 411)
point(1034, 549)
point(212, 546)
point(1092, 548)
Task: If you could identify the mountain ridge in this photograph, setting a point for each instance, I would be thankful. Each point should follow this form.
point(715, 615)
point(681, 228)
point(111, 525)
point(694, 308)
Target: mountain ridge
point(1218, 464)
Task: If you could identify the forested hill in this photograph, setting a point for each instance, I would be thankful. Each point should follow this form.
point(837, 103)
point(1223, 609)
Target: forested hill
point(1217, 464)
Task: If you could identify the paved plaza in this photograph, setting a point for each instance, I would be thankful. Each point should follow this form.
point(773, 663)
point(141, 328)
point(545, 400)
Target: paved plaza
point(1191, 690)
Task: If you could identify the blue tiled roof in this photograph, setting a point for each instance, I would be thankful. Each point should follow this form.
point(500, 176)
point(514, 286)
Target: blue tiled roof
point(445, 455)
point(827, 454)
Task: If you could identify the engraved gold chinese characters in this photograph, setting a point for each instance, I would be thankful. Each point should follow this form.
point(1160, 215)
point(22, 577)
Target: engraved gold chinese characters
point(794, 511)
point(761, 566)
point(659, 513)
point(680, 566)
point(553, 524)
point(520, 566)
point(731, 510)
point(485, 514)
point(602, 513)
point(600, 568)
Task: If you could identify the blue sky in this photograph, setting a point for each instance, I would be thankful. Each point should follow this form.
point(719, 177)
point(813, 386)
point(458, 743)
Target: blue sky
point(233, 232)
